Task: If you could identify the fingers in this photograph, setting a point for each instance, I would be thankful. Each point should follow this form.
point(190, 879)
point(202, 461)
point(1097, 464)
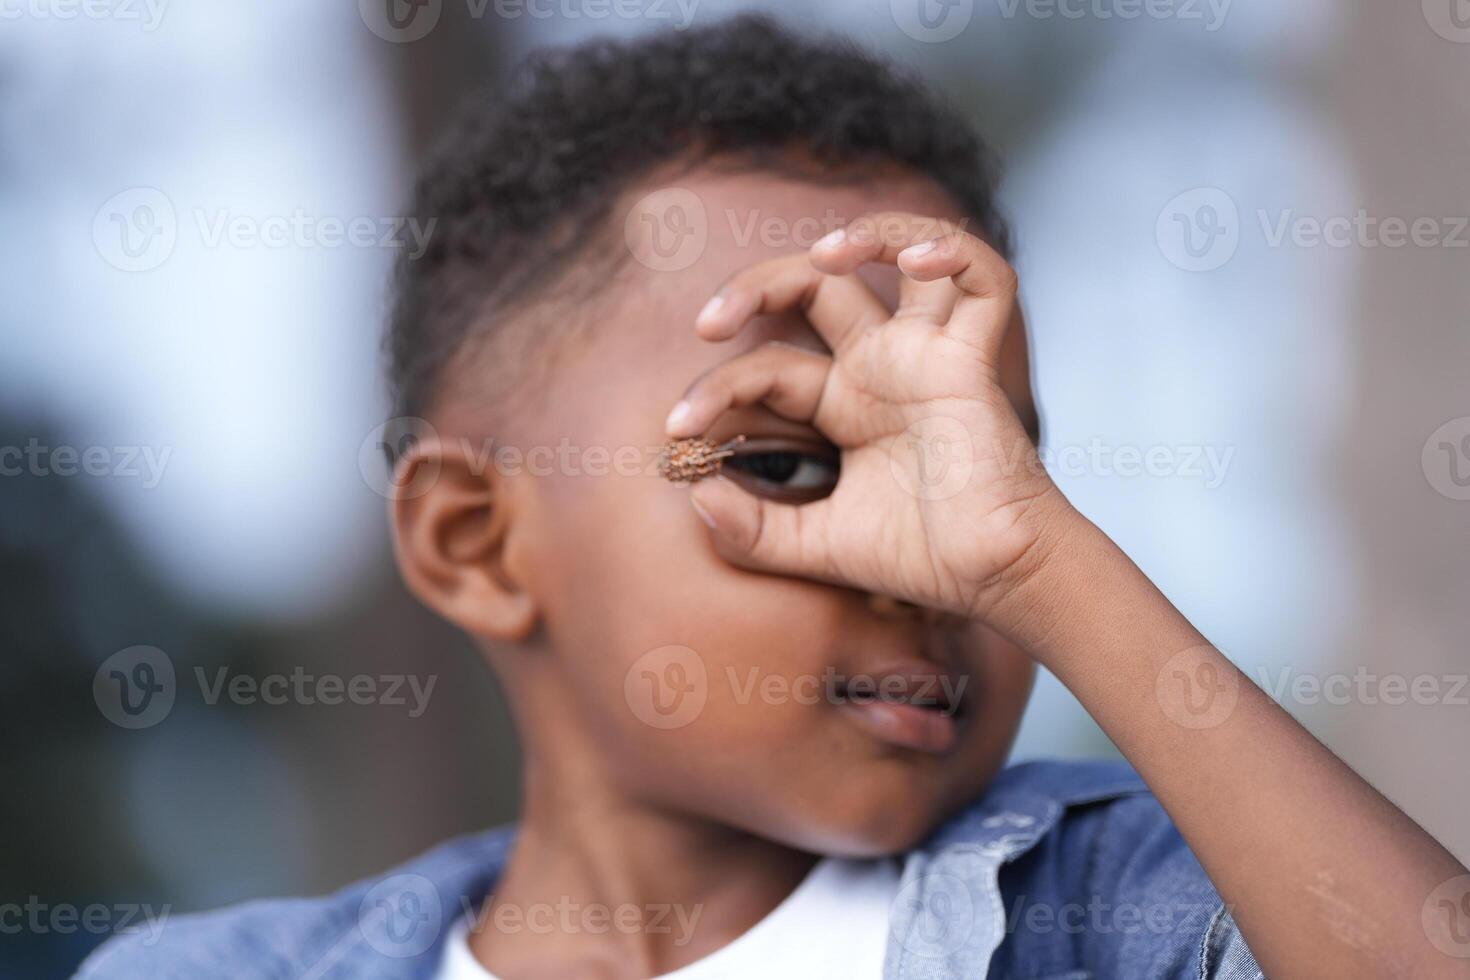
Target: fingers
point(748, 530)
point(932, 301)
point(929, 250)
point(836, 306)
point(789, 380)
point(977, 269)
point(876, 237)
point(763, 535)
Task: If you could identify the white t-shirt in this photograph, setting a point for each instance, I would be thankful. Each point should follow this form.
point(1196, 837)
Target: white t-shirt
point(835, 924)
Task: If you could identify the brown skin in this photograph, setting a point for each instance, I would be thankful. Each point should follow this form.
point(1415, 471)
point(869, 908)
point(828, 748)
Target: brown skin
point(615, 809)
point(569, 580)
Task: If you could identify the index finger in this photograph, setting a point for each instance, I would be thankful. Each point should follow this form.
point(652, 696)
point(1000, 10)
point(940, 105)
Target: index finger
point(928, 250)
point(878, 236)
point(836, 306)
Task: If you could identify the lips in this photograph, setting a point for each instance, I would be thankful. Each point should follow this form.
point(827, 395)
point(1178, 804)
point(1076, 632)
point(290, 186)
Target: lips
point(912, 705)
point(906, 726)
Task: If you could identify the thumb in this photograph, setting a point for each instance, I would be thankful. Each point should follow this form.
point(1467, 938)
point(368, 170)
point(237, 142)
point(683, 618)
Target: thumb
point(759, 534)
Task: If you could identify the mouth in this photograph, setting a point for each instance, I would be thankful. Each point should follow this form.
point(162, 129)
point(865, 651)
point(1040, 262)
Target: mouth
point(916, 706)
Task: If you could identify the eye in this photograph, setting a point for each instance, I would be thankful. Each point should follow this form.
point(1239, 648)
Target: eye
point(783, 469)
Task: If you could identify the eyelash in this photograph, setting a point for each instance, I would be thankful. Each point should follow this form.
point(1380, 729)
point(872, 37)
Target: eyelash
point(745, 467)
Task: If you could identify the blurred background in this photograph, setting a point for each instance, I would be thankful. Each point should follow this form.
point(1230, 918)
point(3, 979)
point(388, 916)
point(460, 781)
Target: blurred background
point(1243, 245)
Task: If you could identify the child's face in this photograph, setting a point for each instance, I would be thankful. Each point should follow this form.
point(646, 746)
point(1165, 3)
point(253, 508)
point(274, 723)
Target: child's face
point(620, 567)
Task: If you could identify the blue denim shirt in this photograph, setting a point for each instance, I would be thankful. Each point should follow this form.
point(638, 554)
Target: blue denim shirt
point(1060, 871)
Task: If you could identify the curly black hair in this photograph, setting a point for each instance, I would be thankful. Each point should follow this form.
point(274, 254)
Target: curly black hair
point(521, 186)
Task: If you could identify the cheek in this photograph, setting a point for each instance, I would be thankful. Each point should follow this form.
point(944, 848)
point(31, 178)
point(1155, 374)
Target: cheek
point(1003, 676)
point(638, 584)
point(999, 678)
point(684, 670)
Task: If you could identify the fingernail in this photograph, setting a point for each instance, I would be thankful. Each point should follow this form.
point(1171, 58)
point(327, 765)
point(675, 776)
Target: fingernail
point(711, 308)
point(914, 251)
point(704, 515)
point(677, 415)
point(832, 239)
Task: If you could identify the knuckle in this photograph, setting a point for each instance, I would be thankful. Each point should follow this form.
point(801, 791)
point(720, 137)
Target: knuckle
point(775, 532)
point(811, 287)
point(1007, 279)
point(767, 360)
point(713, 385)
point(757, 541)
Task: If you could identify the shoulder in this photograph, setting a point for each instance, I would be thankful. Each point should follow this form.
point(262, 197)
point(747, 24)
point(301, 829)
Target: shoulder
point(1096, 820)
point(1045, 797)
point(1095, 872)
point(388, 925)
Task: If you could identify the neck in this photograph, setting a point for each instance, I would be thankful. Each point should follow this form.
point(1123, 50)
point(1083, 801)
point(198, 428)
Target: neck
point(601, 883)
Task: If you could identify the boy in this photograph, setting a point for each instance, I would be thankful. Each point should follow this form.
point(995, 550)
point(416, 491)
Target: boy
point(764, 712)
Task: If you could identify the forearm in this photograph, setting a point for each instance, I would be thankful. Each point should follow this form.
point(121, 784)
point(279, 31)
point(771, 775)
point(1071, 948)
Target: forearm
point(1324, 876)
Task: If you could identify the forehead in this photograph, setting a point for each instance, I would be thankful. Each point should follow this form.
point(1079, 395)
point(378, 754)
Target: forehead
point(684, 236)
point(688, 234)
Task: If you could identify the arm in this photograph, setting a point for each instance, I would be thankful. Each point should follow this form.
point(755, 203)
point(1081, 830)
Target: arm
point(1325, 876)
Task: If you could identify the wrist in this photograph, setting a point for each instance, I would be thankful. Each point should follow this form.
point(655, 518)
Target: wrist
point(1071, 568)
point(1020, 599)
point(1076, 598)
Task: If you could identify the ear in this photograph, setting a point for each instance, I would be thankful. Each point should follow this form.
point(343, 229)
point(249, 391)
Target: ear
point(451, 524)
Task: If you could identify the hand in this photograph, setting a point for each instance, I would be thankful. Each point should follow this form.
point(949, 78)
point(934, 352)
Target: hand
point(941, 500)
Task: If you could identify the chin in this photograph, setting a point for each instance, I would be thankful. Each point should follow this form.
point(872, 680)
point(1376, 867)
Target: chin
point(897, 835)
point(890, 823)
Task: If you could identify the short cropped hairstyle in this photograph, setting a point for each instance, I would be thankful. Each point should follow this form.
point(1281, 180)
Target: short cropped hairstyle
point(524, 183)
